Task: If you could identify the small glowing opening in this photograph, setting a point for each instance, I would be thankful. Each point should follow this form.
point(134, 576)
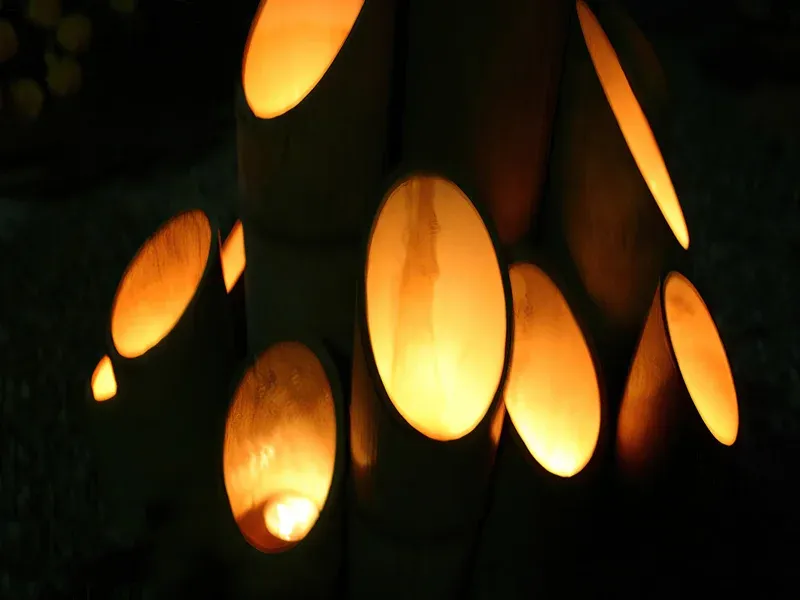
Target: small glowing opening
point(701, 358)
point(436, 309)
point(552, 392)
point(632, 121)
point(104, 384)
point(292, 44)
point(159, 283)
point(280, 445)
point(233, 256)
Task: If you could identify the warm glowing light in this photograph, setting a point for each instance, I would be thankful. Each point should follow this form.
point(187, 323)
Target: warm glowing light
point(233, 256)
point(632, 121)
point(552, 392)
point(159, 283)
point(701, 358)
point(290, 517)
point(291, 45)
point(280, 435)
point(104, 384)
point(436, 308)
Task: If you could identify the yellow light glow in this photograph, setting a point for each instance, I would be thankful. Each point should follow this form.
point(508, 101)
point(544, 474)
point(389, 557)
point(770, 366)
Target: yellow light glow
point(159, 283)
point(701, 358)
point(280, 435)
point(233, 256)
point(632, 121)
point(104, 383)
point(436, 309)
point(290, 516)
point(292, 44)
point(552, 392)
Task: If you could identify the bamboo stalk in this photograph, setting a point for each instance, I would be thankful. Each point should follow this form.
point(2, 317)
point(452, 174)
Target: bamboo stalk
point(481, 88)
point(422, 453)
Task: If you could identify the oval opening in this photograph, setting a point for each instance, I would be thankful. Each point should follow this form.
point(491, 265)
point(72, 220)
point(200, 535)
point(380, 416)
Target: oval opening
point(233, 256)
point(159, 283)
point(291, 45)
point(552, 393)
point(436, 310)
point(104, 383)
point(632, 122)
point(701, 358)
point(280, 447)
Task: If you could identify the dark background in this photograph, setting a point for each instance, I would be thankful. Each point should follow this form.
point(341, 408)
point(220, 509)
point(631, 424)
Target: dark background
point(158, 135)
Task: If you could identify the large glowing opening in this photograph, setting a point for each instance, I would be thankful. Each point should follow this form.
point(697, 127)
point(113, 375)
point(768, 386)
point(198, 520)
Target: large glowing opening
point(280, 447)
point(104, 383)
point(159, 283)
point(436, 307)
point(291, 45)
point(233, 256)
point(552, 392)
point(701, 358)
point(633, 123)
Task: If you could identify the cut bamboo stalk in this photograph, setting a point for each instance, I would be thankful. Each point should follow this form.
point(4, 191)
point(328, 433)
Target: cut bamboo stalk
point(432, 339)
point(611, 219)
point(542, 536)
point(269, 516)
point(312, 122)
point(481, 88)
point(161, 389)
point(234, 262)
point(678, 423)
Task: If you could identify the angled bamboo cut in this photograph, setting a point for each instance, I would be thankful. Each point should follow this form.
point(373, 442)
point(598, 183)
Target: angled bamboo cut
point(676, 440)
point(480, 91)
point(611, 220)
point(432, 341)
point(162, 387)
point(270, 512)
point(312, 122)
point(552, 455)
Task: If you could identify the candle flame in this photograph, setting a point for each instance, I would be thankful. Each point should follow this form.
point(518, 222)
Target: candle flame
point(290, 516)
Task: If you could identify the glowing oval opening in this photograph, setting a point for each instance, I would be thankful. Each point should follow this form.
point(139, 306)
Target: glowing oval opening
point(280, 447)
point(552, 392)
point(104, 383)
point(701, 358)
point(159, 283)
point(233, 256)
point(436, 309)
point(633, 123)
point(292, 44)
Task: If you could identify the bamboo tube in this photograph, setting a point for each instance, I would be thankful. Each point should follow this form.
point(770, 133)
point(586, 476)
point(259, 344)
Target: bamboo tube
point(610, 220)
point(432, 341)
point(675, 445)
point(268, 519)
point(234, 262)
point(481, 88)
point(312, 121)
point(543, 532)
point(161, 389)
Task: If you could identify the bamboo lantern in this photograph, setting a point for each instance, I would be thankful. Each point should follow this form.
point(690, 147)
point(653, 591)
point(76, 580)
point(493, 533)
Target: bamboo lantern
point(481, 88)
point(234, 262)
point(540, 537)
point(432, 340)
point(678, 421)
point(312, 126)
point(162, 386)
point(273, 521)
point(611, 218)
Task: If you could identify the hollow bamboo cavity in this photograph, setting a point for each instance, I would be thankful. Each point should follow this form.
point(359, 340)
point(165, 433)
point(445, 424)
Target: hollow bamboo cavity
point(676, 438)
point(161, 389)
point(432, 339)
point(610, 220)
point(312, 121)
point(481, 88)
point(271, 515)
point(542, 534)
